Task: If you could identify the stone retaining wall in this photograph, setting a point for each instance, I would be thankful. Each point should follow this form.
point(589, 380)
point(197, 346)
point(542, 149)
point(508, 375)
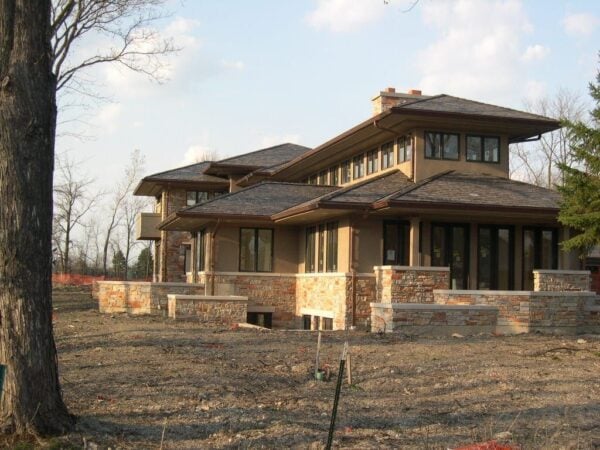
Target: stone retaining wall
point(432, 319)
point(272, 290)
point(210, 309)
point(139, 297)
point(404, 284)
point(562, 280)
point(324, 291)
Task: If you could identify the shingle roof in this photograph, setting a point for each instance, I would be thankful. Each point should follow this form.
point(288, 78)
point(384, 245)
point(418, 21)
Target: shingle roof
point(266, 157)
point(263, 199)
point(448, 104)
point(478, 189)
point(371, 190)
point(191, 173)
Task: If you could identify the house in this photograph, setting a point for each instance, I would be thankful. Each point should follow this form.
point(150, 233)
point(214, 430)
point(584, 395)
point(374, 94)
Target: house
point(407, 219)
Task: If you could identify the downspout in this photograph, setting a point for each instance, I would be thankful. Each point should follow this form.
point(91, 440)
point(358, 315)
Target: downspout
point(212, 257)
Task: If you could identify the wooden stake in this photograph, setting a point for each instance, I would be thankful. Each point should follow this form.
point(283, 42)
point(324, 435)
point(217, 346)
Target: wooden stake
point(318, 350)
point(349, 366)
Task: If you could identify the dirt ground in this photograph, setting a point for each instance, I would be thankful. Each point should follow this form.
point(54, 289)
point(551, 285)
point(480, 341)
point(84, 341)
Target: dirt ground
point(149, 382)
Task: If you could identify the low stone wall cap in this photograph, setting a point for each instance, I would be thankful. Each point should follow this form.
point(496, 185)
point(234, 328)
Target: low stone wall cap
point(415, 268)
point(431, 306)
point(563, 272)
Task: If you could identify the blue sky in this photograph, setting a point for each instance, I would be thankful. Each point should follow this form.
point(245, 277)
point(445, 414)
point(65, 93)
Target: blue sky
point(254, 74)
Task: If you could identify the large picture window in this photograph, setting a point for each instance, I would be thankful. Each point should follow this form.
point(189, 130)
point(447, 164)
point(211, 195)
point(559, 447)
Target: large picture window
point(441, 145)
point(483, 148)
point(256, 250)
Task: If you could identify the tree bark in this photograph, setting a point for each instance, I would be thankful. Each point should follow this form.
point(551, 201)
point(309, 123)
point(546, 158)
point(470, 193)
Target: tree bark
point(32, 401)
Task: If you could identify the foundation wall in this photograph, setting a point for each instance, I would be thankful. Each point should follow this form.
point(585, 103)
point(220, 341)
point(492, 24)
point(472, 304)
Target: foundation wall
point(208, 309)
point(328, 292)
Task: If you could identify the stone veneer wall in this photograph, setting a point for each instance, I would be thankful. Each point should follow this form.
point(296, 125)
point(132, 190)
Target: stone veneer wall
point(366, 293)
point(525, 311)
point(413, 318)
point(405, 284)
point(562, 280)
point(140, 297)
point(276, 291)
point(210, 309)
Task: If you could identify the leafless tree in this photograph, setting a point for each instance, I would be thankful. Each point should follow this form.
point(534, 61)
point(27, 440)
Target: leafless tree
point(73, 200)
point(132, 208)
point(131, 176)
point(537, 162)
point(126, 25)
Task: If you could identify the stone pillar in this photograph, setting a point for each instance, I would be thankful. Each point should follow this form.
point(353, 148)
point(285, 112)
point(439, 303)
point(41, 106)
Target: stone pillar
point(415, 238)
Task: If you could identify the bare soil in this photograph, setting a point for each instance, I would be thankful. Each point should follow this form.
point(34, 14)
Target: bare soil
point(150, 382)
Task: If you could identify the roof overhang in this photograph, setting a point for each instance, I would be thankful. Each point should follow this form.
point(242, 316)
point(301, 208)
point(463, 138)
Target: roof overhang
point(186, 221)
point(229, 169)
point(152, 187)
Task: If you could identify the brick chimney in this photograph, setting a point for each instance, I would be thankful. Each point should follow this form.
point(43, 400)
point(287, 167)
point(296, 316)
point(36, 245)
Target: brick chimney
point(389, 98)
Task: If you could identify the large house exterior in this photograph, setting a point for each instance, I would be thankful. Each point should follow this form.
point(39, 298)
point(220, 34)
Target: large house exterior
point(408, 218)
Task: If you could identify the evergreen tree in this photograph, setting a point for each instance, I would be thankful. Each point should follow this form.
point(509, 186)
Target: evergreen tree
point(144, 265)
point(580, 208)
point(119, 266)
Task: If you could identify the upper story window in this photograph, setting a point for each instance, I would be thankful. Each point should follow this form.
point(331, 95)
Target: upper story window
point(358, 163)
point(346, 171)
point(404, 148)
point(387, 155)
point(312, 179)
point(256, 250)
point(195, 197)
point(372, 161)
point(322, 177)
point(441, 145)
point(483, 148)
point(334, 179)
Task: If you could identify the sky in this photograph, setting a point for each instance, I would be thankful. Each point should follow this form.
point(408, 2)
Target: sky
point(252, 74)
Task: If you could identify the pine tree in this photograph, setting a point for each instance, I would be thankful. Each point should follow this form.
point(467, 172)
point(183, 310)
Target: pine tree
point(580, 208)
point(119, 265)
point(144, 264)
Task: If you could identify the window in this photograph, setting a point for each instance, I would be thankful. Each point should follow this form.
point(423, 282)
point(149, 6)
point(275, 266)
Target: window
point(195, 197)
point(313, 179)
point(396, 243)
point(540, 251)
point(333, 176)
point(372, 161)
point(346, 171)
point(187, 264)
point(483, 148)
point(201, 250)
point(387, 155)
point(306, 320)
point(450, 247)
point(495, 258)
point(404, 149)
point(262, 319)
point(332, 246)
point(441, 145)
point(358, 163)
point(256, 250)
point(309, 252)
point(322, 177)
point(327, 323)
point(321, 252)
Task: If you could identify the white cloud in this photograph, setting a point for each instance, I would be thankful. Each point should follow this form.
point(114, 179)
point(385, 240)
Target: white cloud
point(345, 15)
point(478, 53)
point(107, 118)
point(535, 52)
point(197, 153)
point(271, 140)
point(233, 65)
point(580, 24)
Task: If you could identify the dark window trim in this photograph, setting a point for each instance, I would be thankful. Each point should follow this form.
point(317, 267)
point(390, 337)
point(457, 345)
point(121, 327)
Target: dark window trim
point(404, 257)
point(447, 241)
point(256, 230)
point(356, 173)
point(346, 176)
point(372, 162)
point(511, 255)
point(442, 134)
point(390, 153)
point(201, 250)
point(310, 250)
point(334, 177)
point(481, 148)
point(331, 252)
point(537, 242)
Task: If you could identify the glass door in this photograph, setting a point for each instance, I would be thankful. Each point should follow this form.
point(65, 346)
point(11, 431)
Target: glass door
point(450, 248)
point(495, 258)
point(540, 251)
point(396, 243)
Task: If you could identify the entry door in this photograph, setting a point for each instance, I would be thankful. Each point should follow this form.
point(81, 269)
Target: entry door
point(396, 243)
point(495, 258)
point(540, 251)
point(450, 247)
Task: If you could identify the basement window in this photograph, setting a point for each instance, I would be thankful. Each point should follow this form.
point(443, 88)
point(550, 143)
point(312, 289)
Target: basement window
point(326, 323)
point(262, 319)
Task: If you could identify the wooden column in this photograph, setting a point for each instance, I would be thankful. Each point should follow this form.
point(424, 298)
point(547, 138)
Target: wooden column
point(415, 237)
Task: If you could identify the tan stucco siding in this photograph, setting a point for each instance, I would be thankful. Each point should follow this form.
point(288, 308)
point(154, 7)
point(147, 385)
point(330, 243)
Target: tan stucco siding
point(370, 244)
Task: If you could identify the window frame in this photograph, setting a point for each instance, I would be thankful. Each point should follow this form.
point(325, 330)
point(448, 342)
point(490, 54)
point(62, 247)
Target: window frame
point(441, 135)
point(201, 251)
point(310, 249)
point(334, 178)
point(256, 252)
point(482, 139)
point(372, 161)
point(346, 175)
point(388, 155)
point(358, 170)
point(331, 247)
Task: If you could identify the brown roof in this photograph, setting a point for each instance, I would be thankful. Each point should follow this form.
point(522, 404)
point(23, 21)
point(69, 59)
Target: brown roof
point(264, 158)
point(478, 189)
point(371, 190)
point(449, 104)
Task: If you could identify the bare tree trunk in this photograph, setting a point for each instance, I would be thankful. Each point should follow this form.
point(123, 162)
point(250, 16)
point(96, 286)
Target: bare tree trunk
point(32, 401)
